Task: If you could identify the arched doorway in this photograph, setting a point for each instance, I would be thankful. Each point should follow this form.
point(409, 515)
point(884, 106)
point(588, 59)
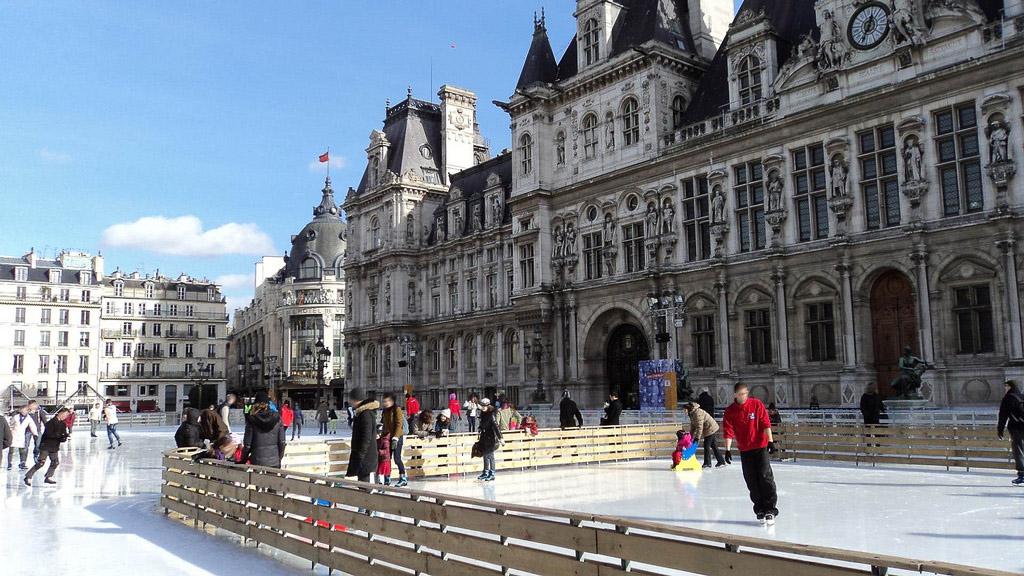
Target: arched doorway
point(893, 325)
point(627, 346)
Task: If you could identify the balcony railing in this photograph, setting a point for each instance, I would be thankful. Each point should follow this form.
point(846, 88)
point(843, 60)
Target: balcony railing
point(180, 316)
point(149, 354)
point(737, 115)
point(164, 375)
point(119, 333)
point(181, 335)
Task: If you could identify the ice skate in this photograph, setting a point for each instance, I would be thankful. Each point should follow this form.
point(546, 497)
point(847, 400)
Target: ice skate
point(1018, 482)
point(489, 477)
point(769, 520)
point(402, 482)
point(50, 481)
point(28, 481)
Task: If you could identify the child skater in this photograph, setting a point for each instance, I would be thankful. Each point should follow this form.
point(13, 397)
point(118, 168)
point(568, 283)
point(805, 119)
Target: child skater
point(683, 457)
point(384, 459)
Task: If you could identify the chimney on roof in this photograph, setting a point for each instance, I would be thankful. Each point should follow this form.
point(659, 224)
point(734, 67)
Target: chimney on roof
point(97, 266)
point(458, 118)
point(709, 23)
point(31, 257)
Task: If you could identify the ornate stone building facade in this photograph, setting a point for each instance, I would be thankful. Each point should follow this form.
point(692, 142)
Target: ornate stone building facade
point(835, 182)
point(289, 338)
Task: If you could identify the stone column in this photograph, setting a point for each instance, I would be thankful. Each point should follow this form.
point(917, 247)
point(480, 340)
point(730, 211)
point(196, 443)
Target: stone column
point(442, 365)
point(524, 362)
point(574, 353)
point(460, 361)
point(1013, 326)
point(500, 335)
point(724, 344)
point(924, 304)
point(781, 318)
point(560, 339)
point(481, 360)
point(287, 345)
point(846, 295)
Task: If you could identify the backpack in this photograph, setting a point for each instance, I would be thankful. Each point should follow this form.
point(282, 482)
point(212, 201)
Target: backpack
point(1017, 408)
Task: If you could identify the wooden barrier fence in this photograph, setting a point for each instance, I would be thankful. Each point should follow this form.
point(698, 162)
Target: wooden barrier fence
point(948, 446)
point(365, 529)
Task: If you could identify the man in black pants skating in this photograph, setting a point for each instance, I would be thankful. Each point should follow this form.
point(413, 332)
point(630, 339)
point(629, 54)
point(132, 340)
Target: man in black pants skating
point(746, 422)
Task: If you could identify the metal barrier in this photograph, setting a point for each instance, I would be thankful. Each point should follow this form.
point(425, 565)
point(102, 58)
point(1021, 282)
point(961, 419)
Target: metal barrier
point(366, 529)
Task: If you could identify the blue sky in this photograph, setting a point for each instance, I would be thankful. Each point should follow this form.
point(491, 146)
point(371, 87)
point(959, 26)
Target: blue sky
point(205, 118)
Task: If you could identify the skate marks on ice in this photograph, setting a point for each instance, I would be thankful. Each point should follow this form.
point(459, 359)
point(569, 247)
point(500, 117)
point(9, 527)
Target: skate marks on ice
point(895, 511)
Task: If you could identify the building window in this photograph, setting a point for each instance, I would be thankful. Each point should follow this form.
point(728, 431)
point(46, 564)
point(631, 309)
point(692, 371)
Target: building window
point(435, 356)
point(593, 255)
point(62, 339)
point(19, 337)
point(172, 350)
point(491, 349)
point(749, 78)
point(879, 183)
point(471, 294)
point(956, 146)
point(62, 364)
point(309, 269)
point(821, 332)
point(591, 41)
point(129, 308)
point(972, 307)
point(453, 360)
point(19, 315)
point(21, 293)
point(703, 333)
point(453, 297)
point(108, 348)
point(44, 338)
point(211, 350)
point(696, 218)
point(83, 364)
point(190, 310)
point(65, 295)
point(44, 363)
point(435, 302)
point(469, 351)
point(157, 329)
point(374, 232)
point(590, 136)
point(526, 265)
point(86, 318)
point(188, 351)
point(181, 292)
point(758, 328)
point(526, 154)
point(44, 316)
point(19, 364)
point(211, 294)
point(21, 274)
point(750, 205)
point(83, 339)
point(512, 348)
point(172, 309)
point(633, 246)
point(126, 370)
point(809, 192)
point(630, 122)
point(211, 331)
point(86, 296)
point(386, 363)
point(678, 109)
point(149, 290)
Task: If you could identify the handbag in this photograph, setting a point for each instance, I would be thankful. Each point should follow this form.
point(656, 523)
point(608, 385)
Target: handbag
point(477, 451)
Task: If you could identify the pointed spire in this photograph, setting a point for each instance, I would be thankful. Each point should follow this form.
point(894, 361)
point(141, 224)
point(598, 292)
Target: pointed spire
point(408, 92)
point(539, 22)
point(327, 205)
point(540, 66)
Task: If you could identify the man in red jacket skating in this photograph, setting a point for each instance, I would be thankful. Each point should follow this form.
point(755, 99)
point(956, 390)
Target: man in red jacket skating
point(746, 422)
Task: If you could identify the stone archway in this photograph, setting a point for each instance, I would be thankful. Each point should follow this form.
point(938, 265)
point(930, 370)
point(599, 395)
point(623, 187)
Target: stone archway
point(893, 325)
point(614, 344)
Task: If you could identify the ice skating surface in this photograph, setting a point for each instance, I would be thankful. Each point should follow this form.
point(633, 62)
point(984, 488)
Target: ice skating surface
point(103, 516)
point(974, 518)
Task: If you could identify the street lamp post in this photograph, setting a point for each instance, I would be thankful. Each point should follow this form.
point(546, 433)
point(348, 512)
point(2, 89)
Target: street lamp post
point(252, 365)
point(321, 355)
point(534, 349)
point(408, 351)
point(669, 305)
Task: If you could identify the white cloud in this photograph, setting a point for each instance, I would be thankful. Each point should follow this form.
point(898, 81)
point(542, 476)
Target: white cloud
point(184, 236)
point(54, 156)
point(231, 282)
point(336, 162)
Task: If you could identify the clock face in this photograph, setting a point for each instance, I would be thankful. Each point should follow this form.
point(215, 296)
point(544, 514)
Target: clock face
point(869, 26)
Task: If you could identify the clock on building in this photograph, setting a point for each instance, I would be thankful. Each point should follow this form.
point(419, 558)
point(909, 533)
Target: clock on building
point(869, 26)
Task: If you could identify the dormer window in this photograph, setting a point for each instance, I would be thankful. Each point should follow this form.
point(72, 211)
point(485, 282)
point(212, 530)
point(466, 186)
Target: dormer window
point(630, 122)
point(149, 289)
point(591, 41)
point(526, 154)
point(54, 276)
point(85, 278)
point(749, 78)
point(118, 288)
point(309, 269)
point(211, 293)
point(678, 107)
point(181, 292)
point(374, 171)
point(21, 274)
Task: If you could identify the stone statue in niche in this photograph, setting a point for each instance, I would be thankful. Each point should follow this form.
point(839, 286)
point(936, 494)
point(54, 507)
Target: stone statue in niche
point(653, 219)
point(558, 248)
point(718, 206)
point(477, 221)
point(570, 239)
point(998, 134)
point(775, 186)
point(832, 50)
point(904, 25)
point(410, 228)
point(496, 215)
point(387, 297)
point(668, 219)
point(912, 157)
point(441, 233)
point(609, 229)
point(609, 131)
point(609, 261)
point(839, 172)
point(560, 149)
point(458, 224)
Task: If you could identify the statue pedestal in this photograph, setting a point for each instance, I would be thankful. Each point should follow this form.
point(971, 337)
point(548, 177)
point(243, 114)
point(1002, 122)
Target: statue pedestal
point(911, 411)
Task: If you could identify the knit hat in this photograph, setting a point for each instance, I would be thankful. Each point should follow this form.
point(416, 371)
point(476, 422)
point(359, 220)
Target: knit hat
point(262, 397)
point(485, 402)
point(446, 413)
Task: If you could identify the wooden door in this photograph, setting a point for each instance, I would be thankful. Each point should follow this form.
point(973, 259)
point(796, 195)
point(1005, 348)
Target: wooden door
point(893, 325)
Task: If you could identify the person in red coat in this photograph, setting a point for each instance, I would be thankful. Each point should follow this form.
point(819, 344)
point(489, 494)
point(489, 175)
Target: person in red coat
point(747, 424)
point(412, 408)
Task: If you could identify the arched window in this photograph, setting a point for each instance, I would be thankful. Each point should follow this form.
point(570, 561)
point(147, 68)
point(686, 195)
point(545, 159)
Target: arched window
point(469, 351)
point(374, 232)
point(630, 122)
point(435, 355)
point(490, 349)
point(512, 348)
point(371, 178)
point(453, 360)
point(591, 41)
point(526, 154)
point(750, 80)
point(371, 360)
point(678, 107)
point(309, 269)
point(590, 136)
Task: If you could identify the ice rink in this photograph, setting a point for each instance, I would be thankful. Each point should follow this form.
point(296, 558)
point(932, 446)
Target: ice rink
point(103, 516)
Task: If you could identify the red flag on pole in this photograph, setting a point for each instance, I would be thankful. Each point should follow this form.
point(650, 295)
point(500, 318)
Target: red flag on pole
point(325, 157)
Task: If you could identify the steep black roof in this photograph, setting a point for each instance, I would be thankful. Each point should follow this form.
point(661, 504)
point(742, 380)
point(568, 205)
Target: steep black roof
point(540, 66)
point(472, 182)
point(408, 126)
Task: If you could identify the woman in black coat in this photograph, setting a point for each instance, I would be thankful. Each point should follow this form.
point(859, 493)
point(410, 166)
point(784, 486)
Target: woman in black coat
point(263, 444)
point(190, 434)
point(362, 459)
point(489, 440)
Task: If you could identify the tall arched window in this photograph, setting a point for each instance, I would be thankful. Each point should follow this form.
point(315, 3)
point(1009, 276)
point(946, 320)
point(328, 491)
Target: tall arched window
point(435, 355)
point(591, 41)
point(526, 154)
point(453, 360)
point(371, 360)
point(374, 232)
point(678, 107)
point(490, 349)
point(512, 348)
point(630, 122)
point(309, 269)
point(590, 136)
point(469, 351)
point(750, 80)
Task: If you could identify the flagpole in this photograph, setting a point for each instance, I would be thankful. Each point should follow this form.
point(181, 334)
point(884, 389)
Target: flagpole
point(328, 162)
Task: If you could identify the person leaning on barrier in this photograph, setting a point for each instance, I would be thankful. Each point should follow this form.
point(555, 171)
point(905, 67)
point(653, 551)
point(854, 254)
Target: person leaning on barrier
point(612, 410)
point(362, 460)
point(224, 449)
point(423, 424)
point(189, 434)
point(871, 406)
point(569, 415)
point(264, 441)
point(1011, 417)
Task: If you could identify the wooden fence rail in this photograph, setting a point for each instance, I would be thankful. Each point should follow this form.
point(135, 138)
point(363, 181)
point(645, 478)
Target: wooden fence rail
point(365, 529)
point(947, 446)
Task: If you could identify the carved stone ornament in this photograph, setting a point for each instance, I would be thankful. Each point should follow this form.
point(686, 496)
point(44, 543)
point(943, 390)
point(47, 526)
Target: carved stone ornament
point(833, 53)
point(937, 9)
point(914, 184)
point(839, 173)
point(717, 206)
point(906, 29)
point(718, 233)
point(775, 187)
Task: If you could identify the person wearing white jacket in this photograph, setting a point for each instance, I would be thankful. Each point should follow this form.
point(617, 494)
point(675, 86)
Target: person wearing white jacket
point(110, 415)
point(95, 414)
point(23, 426)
